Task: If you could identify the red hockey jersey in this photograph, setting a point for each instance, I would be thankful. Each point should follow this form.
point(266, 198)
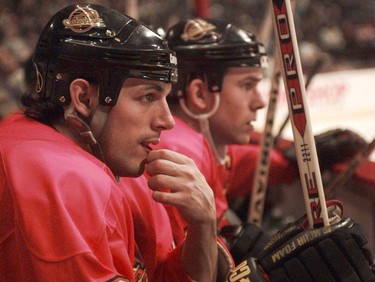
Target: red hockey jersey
point(63, 216)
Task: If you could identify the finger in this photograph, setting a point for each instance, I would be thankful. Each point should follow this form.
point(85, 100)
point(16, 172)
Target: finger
point(315, 265)
point(340, 266)
point(162, 166)
point(354, 253)
point(167, 198)
point(296, 271)
point(166, 155)
point(163, 182)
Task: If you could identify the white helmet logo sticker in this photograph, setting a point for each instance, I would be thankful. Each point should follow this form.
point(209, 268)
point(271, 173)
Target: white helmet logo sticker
point(83, 19)
point(196, 29)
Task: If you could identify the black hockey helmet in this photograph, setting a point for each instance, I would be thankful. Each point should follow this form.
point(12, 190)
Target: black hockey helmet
point(102, 45)
point(209, 47)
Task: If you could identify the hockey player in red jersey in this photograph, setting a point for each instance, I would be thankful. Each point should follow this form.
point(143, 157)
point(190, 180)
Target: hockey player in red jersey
point(100, 102)
point(215, 103)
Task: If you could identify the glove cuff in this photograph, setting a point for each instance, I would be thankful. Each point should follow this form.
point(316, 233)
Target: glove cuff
point(276, 257)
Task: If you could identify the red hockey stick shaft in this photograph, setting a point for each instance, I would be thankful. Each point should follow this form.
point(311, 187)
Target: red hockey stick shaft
point(304, 142)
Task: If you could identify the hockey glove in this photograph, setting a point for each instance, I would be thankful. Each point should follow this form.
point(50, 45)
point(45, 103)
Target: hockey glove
point(244, 241)
point(333, 253)
point(333, 146)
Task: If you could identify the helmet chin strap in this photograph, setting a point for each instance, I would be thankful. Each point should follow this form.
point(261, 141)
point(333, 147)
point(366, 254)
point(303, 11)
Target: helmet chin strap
point(204, 124)
point(82, 129)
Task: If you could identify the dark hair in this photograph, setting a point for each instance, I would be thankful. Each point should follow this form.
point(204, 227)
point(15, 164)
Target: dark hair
point(41, 109)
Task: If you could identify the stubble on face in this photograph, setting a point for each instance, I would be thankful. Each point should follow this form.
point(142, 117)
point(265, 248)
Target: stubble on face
point(133, 124)
point(121, 155)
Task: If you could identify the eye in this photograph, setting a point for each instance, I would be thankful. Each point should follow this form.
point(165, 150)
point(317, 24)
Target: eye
point(248, 86)
point(149, 97)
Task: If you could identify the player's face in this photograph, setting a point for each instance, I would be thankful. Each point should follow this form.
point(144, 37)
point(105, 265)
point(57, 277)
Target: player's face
point(239, 102)
point(135, 123)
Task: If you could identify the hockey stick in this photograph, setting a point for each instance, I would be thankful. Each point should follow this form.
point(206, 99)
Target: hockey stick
point(259, 187)
point(265, 30)
point(304, 142)
point(260, 181)
point(131, 8)
point(314, 70)
point(345, 175)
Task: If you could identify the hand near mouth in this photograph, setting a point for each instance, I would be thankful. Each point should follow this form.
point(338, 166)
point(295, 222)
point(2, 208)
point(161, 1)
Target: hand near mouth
point(176, 181)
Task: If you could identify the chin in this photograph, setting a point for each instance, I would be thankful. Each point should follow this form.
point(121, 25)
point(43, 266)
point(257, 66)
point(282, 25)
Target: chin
point(247, 139)
point(138, 171)
point(243, 141)
point(141, 168)
point(131, 170)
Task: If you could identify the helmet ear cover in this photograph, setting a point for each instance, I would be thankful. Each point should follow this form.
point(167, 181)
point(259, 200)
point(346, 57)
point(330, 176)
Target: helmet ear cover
point(213, 78)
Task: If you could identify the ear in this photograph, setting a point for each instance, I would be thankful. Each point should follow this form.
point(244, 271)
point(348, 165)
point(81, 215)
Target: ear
point(198, 98)
point(84, 96)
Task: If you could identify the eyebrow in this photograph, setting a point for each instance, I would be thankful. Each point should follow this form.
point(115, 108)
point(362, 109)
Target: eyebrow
point(253, 78)
point(153, 86)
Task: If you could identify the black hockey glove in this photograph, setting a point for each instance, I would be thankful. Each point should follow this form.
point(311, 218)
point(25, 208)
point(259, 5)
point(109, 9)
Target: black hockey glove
point(333, 146)
point(245, 240)
point(333, 253)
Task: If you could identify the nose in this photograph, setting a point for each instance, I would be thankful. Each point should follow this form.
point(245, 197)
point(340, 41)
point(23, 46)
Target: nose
point(257, 102)
point(164, 120)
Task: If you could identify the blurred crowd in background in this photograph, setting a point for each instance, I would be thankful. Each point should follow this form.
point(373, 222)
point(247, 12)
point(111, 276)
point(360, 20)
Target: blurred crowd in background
point(343, 29)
